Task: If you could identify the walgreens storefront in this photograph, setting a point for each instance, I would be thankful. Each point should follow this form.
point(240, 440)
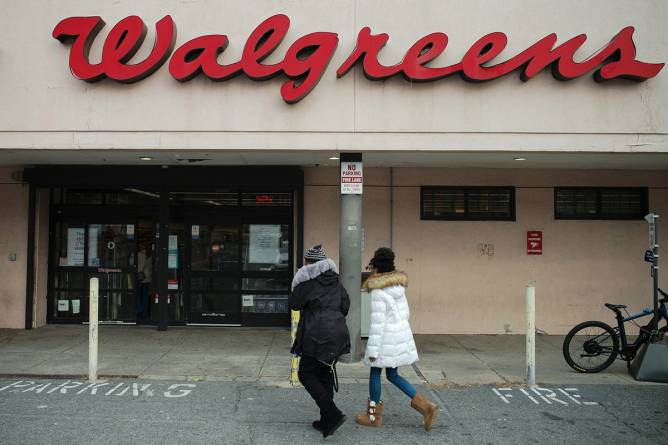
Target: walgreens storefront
point(185, 153)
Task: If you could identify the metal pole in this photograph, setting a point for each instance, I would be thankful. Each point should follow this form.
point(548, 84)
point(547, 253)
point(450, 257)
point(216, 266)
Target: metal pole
point(350, 259)
point(654, 245)
point(163, 252)
point(93, 329)
point(531, 336)
point(656, 273)
point(30, 257)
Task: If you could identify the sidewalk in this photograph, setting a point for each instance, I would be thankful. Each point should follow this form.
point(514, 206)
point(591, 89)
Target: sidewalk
point(262, 355)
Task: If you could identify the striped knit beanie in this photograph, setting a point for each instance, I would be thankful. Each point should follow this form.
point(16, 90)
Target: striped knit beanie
point(315, 253)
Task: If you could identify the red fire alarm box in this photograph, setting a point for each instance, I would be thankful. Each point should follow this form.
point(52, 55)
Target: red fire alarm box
point(534, 242)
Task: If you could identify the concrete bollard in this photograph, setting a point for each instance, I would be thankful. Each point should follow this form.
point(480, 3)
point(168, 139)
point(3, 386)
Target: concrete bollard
point(93, 329)
point(531, 336)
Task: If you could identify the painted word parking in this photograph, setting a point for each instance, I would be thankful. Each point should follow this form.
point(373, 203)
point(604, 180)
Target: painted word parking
point(100, 388)
point(537, 395)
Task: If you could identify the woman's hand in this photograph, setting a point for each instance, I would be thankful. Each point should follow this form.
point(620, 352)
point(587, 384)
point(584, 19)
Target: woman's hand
point(372, 359)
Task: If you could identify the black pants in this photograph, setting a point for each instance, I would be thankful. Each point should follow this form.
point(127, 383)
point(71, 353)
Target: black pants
point(318, 379)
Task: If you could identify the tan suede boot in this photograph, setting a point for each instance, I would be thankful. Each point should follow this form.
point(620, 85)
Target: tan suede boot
point(425, 407)
point(373, 415)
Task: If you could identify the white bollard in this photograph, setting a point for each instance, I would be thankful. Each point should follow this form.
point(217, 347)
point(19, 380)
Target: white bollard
point(92, 329)
point(531, 336)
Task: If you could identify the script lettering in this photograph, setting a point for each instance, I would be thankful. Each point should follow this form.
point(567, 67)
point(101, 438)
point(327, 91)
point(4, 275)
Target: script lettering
point(307, 58)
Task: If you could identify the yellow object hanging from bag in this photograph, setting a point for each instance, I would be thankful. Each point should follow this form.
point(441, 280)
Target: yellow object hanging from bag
point(294, 363)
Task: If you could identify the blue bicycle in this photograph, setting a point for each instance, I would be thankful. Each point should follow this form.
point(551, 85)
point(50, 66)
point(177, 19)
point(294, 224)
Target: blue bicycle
point(592, 346)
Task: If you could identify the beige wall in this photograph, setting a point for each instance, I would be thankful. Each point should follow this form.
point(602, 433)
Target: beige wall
point(13, 227)
point(322, 204)
point(14, 240)
point(456, 289)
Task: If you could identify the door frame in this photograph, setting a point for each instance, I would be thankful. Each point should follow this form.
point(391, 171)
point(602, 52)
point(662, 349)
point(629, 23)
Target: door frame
point(87, 270)
point(238, 218)
point(164, 179)
point(192, 319)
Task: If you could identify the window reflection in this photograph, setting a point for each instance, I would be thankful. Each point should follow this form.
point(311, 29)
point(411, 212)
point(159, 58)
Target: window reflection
point(110, 245)
point(266, 247)
point(216, 248)
point(264, 304)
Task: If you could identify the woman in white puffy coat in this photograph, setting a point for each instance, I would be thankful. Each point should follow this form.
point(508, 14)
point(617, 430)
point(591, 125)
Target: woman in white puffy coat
point(391, 341)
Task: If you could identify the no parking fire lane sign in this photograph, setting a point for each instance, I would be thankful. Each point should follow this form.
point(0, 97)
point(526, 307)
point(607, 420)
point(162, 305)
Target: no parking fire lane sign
point(534, 242)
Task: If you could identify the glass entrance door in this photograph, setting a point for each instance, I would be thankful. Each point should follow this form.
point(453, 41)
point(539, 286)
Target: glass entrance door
point(213, 274)
point(266, 274)
point(112, 258)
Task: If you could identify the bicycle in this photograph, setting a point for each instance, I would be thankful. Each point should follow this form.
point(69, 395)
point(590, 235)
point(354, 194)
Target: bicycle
point(592, 346)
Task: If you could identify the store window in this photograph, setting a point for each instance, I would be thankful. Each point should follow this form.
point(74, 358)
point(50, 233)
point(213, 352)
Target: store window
point(131, 196)
point(126, 196)
point(266, 268)
point(266, 247)
point(600, 203)
point(82, 197)
point(214, 279)
point(266, 199)
point(70, 280)
point(218, 198)
point(468, 203)
point(111, 245)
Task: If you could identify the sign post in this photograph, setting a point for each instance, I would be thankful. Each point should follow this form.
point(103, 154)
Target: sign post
point(651, 361)
point(93, 329)
point(531, 336)
point(350, 245)
point(654, 265)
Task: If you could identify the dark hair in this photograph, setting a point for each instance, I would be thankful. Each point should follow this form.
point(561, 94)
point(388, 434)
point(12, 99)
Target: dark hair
point(383, 260)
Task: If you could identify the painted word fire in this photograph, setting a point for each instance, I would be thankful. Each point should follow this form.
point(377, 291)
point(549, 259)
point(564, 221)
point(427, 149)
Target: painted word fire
point(307, 58)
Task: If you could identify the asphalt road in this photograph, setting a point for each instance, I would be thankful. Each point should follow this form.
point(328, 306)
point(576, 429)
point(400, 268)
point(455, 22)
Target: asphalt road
point(153, 412)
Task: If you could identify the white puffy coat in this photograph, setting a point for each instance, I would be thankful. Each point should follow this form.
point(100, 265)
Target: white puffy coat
point(390, 336)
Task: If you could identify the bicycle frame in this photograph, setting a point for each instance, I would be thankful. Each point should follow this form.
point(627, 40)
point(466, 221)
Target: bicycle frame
point(621, 320)
point(596, 336)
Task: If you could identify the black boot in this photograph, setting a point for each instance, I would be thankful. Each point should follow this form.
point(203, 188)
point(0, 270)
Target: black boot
point(317, 424)
point(332, 420)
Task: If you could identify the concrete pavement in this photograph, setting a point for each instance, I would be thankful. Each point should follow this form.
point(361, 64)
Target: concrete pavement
point(262, 355)
point(119, 411)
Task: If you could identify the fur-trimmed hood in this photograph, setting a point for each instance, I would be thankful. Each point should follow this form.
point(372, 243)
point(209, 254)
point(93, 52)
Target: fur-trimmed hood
point(311, 271)
point(386, 279)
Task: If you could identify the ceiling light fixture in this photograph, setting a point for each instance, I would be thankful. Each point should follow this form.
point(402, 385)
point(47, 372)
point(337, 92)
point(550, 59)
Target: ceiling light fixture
point(519, 159)
point(146, 158)
point(334, 158)
point(192, 160)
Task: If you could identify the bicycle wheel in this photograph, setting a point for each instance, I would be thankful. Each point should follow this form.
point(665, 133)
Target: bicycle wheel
point(591, 347)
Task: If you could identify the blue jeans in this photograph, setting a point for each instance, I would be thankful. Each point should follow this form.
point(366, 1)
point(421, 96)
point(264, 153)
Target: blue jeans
point(394, 377)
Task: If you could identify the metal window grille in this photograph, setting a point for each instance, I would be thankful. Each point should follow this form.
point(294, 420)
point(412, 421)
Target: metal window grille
point(468, 203)
point(600, 203)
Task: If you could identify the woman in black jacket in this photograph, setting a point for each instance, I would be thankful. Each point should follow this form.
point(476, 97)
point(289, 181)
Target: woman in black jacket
point(322, 335)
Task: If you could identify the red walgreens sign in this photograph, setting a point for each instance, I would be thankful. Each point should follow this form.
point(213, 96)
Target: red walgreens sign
point(307, 57)
point(534, 242)
point(264, 199)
